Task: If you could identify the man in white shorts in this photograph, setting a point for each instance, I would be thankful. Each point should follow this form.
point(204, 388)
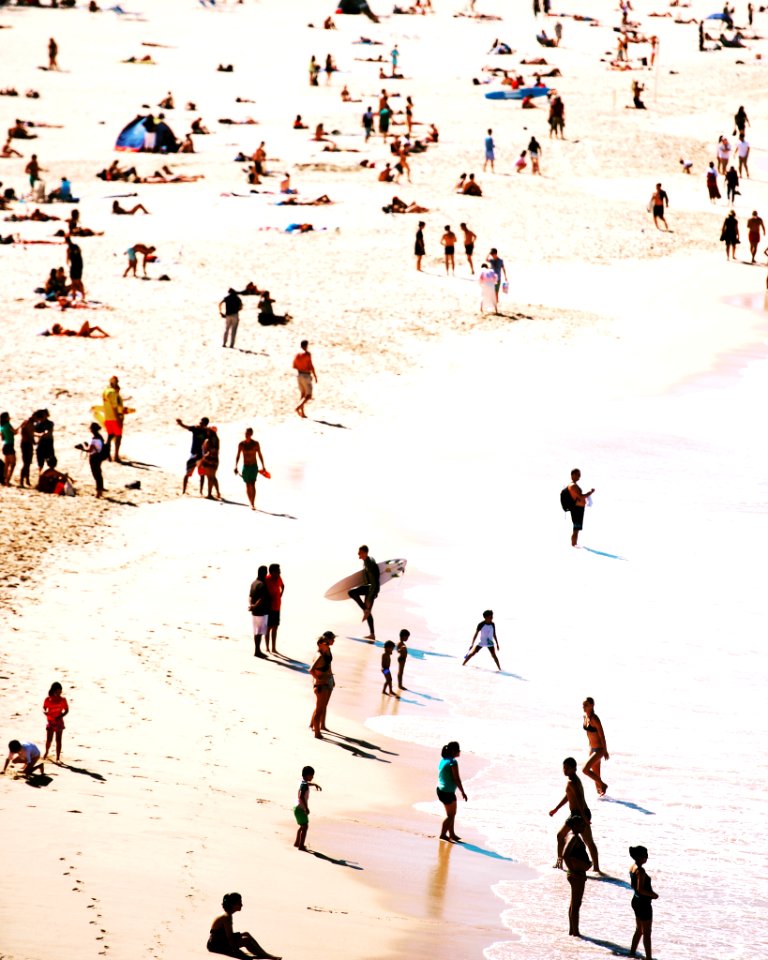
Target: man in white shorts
point(487, 630)
point(302, 364)
point(259, 605)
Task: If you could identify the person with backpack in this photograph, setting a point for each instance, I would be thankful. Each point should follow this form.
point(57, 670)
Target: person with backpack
point(573, 500)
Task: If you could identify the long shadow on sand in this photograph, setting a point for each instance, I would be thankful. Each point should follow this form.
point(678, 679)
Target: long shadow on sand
point(120, 503)
point(87, 773)
point(613, 881)
point(282, 661)
point(426, 696)
point(608, 944)
point(355, 746)
point(473, 848)
point(239, 503)
point(603, 553)
point(412, 651)
point(38, 780)
point(338, 861)
point(139, 465)
point(628, 803)
point(327, 423)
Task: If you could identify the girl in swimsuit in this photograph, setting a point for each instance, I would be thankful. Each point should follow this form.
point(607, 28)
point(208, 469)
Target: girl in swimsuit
point(642, 898)
point(225, 941)
point(597, 745)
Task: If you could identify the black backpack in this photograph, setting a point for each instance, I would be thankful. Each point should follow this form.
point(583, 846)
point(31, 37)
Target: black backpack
point(566, 500)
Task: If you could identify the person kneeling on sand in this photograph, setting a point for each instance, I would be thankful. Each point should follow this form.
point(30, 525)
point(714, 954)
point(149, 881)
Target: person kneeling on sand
point(24, 753)
point(225, 941)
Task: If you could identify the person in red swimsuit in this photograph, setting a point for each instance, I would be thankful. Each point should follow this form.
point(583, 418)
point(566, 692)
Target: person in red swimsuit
point(55, 708)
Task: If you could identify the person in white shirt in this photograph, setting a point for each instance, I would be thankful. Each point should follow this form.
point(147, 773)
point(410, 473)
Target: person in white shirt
point(742, 152)
point(488, 279)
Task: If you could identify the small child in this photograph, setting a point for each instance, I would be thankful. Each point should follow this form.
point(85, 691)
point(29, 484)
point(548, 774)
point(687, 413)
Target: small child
point(687, 165)
point(487, 630)
point(55, 708)
point(402, 656)
point(386, 660)
point(301, 810)
point(521, 163)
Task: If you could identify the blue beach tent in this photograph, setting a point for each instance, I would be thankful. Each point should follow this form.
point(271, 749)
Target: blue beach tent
point(131, 137)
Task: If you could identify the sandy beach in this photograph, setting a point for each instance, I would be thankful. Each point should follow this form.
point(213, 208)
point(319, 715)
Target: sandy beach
point(438, 434)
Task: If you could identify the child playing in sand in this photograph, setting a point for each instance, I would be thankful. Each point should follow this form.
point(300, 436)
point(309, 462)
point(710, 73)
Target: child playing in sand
point(521, 163)
point(386, 660)
point(55, 708)
point(301, 810)
point(25, 753)
point(487, 630)
point(402, 656)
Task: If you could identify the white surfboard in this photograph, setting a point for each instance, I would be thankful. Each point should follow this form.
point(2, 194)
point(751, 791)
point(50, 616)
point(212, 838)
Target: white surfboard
point(388, 570)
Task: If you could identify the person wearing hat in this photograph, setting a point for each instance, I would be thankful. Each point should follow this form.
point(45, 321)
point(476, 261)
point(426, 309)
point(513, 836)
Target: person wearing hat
point(230, 308)
point(323, 682)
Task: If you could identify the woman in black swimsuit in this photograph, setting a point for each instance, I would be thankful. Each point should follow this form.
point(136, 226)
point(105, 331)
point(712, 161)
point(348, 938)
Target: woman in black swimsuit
point(225, 941)
point(597, 745)
point(323, 682)
point(641, 900)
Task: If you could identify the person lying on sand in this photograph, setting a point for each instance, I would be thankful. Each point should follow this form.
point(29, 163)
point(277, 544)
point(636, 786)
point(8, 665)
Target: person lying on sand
point(223, 939)
point(400, 206)
point(145, 59)
point(85, 331)
point(36, 214)
point(116, 208)
point(295, 202)
point(19, 131)
point(113, 172)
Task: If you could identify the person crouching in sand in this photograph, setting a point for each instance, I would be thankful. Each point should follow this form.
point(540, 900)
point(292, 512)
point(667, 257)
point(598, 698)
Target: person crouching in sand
point(25, 754)
point(223, 940)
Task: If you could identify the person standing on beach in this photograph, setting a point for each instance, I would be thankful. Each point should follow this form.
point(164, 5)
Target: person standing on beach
point(95, 450)
point(534, 151)
point(43, 428)
point(577, 863)
point(557, 118)
point(754, 226)
point(386, 663)
point(490, 152)
point(305, 372)
point(199, 433)
point(659, 200)
point(55, 708)
point(731, 184)
point(574, 797)
point(448, 782)
point(712, 188)
point(209, 464)
point(729, 235)
point(27, 444)
point(497, 265)
point(469, 245)
point(114, 417)
point(741, 150)
point(487, 280)
point(579, 500)
point(276, 589)
point(642, 901)
point(598, 748)
point(259, 604)
point(368, 124)
point(33, 170)
point(250, 450)
point(53, 53)
point(395, 56)
point(448, 240)
point(402, 656)
point(229, 309)
point(741, 120)
point(75, 261)
point(301, 810)
point(365, 595)
point(487, 630)
point(8, 436)
point(419, 250)
point(323, 682)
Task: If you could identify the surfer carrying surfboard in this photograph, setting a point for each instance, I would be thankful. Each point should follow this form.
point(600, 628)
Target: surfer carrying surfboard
point(365, 595)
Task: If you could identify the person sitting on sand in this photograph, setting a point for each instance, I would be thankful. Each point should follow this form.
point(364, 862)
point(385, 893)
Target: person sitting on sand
point(133, 258)
point(328, 24)
point(386, 175)
point(74, 229)
point(321, 136)
point(167, 102)
point(145, 59)
point(267, 315)
point(8, 150)
point(298, 123)
point(471, 187)
point(345, 94)
point(186, 144)
point(63, 192)
point(25, 754)
point(223, 939)
point(85, 331)
point(285, 185)
point(198, 128)
point(434, 134)
point(116, 208)
point(250, 290)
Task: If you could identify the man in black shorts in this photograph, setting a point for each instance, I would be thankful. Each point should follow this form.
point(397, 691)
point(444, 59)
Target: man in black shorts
point(199, 433)
point(579, 502)
point(469, 244)
point(448, 241)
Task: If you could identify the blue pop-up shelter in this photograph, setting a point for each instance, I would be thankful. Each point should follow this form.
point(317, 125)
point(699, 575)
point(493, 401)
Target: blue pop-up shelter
point(131, 137)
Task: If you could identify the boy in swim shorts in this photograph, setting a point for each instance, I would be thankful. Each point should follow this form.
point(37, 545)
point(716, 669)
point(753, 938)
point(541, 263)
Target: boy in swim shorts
point(386, 660)
point(301, 810)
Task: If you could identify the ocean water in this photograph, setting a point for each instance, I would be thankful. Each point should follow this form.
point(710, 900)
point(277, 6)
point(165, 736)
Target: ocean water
point(658, 616)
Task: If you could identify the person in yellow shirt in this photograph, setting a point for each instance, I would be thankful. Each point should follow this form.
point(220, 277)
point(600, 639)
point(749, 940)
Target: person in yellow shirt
point(114, 415)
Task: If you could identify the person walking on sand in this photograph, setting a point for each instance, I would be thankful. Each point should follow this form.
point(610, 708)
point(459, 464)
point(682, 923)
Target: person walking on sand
point(598, 748)
point(301, 810)
point(199, 433)
point(259, 605)
point(754, 226)
point(55, 708)
point(276, 589)
point(365, 595)
point(305, 374)
point(53, 53)
point(448, 240)
point(225, 941)
point(742, 152)
point(487, 630)
point(490, 152)
point(209, 464)
point(368, 124)
point(323, 682)
point(419, 250)
point(386, 663)
point(448, 782)
point(579, 501)
point(659, 200)
point(642, 901)
point(33, 171)
point(469, 245)
point(229, 309)
point(250, 450)
point(497, 265)
point(577, 863)
point(25, 754)
point(741, 120)
point(731, 184)
point(712, 188)
point(487, 281)
point(729, 235)
point(114, 418)
point(402, 656)
point(574, 797)
point(75, 261)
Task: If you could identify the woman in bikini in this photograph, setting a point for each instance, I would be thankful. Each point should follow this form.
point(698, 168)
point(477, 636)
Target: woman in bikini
point(323, 682)
point(597, 746)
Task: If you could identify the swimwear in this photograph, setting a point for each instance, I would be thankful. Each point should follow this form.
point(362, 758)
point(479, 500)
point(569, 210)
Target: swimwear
point(469, 249)
point(301, 816)
point(445, 797)
point(449, 250)
point(250, 472)
point(577, 514)
point(641, 906)
point(658, 210)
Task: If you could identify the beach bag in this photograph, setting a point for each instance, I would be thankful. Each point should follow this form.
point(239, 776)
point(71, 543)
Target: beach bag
point(566, 500)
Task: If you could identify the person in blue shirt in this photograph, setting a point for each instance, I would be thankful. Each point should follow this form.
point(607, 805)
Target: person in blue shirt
point(448, 782)
point(490, 156)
